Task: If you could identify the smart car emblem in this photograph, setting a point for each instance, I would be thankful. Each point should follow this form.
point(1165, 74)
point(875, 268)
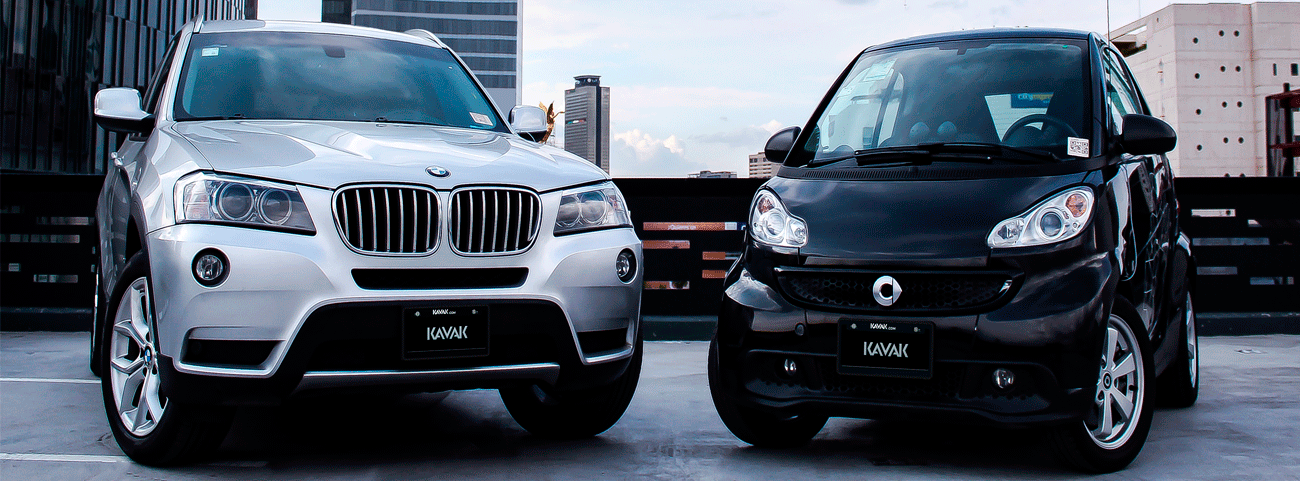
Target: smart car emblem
point(437, 171)
point(878, 290)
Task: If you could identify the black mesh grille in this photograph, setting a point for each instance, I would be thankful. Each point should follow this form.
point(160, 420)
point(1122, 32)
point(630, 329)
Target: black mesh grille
point(494, 221)
point(917, 291)
point(391, 220)
point(945, 384)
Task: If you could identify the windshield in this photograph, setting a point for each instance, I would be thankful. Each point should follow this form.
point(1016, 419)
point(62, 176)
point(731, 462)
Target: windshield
point(1030, 94)
point(278, 75)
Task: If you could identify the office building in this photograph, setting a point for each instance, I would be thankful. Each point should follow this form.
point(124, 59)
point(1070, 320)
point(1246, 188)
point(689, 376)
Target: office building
point(708, 174)
point(58, 54)
point(760, 168)
point(586, 120)
point(485, 34)
point(1206, 70)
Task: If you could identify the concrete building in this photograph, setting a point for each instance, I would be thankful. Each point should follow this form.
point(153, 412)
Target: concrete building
point(708, 174)
point(1206, 69)
point(760, 168)
point(485, 33)
point(586, 120)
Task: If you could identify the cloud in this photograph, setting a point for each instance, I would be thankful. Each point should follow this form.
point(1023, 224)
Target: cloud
point(751, 137)
point(638, 154)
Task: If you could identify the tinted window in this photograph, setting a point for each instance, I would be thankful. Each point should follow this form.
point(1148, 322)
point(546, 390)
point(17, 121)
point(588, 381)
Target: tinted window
point(275, 75)
point(1029, 93)
point(1121, 99)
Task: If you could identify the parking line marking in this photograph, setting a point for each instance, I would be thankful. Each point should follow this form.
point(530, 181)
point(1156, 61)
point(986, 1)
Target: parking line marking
point(66, 458)
point(49, 380)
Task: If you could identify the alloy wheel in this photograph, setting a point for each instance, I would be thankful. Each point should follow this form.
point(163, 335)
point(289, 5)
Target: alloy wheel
point(133, 362)
point(1121, 387)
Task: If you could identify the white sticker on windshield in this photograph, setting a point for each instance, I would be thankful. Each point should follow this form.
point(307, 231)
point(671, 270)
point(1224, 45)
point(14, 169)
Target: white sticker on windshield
point(480, 118)
point(211, 51)
point(877, 71)
point(1078, 147)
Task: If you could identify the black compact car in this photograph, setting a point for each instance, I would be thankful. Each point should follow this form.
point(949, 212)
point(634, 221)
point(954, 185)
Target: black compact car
point(978, 227)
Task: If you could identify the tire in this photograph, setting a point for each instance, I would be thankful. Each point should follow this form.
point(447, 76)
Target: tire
point(149, 428)
point(1112, 436)
point(1180, 385)
point(756, 427)
point(574, 414)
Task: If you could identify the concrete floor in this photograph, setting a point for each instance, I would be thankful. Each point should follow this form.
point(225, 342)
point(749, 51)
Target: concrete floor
point(52, 426)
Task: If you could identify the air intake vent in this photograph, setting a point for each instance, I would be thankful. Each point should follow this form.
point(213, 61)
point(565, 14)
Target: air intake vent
point(494, 221)
point(388, 220)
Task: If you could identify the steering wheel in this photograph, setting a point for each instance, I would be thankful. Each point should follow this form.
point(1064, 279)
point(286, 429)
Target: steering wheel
point(1045, 119)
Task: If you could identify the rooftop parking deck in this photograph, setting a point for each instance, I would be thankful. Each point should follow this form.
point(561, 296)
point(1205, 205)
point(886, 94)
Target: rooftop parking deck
point(52, 426)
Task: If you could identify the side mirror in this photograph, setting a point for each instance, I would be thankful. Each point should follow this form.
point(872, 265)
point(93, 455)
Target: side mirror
point(1147, 135)
point(529, 122)
point(118, 110)
point(779, 146)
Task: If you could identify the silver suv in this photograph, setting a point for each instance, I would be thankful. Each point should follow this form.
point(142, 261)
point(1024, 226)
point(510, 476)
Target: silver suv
point(303, 207)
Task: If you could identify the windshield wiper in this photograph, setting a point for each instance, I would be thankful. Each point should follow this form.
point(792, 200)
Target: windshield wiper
point(886, 155)
point(385, 120)
point(214, 117)
point(1019, 155)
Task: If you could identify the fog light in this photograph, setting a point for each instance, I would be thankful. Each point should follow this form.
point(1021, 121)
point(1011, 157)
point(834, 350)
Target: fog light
point(1003, 378)
point(210, 267)
point(791, 368)
point(625, 266)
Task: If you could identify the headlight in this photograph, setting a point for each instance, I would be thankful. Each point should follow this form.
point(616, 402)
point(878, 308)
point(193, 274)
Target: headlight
point(224, 199)
point(1061, 217)
point(770, 222)
point(591, 208)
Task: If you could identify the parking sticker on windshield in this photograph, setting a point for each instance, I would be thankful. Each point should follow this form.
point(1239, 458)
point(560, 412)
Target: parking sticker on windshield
point(1078, 147)
point(211, 51)
point(480, 118)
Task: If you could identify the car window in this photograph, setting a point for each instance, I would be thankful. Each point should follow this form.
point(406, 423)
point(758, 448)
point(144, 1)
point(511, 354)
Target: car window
point(279, 75)
point(160, 77)
point(1120, 97)
point(1028, 93)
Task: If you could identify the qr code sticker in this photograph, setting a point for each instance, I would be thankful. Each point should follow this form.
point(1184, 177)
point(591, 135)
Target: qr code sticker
point(1078, 147)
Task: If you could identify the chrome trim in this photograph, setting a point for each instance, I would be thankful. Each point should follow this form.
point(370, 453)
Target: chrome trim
point(526, 222)
point(612, 356)
point(547, 372)
point(342, 220)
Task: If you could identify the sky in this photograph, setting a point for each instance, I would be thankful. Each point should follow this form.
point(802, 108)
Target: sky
point(701, 84)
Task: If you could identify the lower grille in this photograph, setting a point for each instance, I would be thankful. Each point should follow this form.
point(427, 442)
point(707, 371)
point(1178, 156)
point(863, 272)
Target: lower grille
point(926, 292)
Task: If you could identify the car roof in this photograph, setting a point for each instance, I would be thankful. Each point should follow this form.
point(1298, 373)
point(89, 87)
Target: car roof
point(987, 33)
point(224, 26)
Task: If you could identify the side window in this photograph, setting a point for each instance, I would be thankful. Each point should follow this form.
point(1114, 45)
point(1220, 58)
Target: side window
point(1120, 97)
point(160, 77)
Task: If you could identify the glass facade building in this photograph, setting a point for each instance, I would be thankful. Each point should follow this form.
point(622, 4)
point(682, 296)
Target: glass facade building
point(484, 33)
point(57, 53)
point(586, 120)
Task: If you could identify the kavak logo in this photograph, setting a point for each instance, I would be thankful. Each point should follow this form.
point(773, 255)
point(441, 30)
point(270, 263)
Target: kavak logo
point(445, 332)
point(882, 349)
point(882, 327)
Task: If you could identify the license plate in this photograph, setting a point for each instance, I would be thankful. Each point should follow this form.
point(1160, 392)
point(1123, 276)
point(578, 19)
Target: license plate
point(886, 348)
point(433, 332)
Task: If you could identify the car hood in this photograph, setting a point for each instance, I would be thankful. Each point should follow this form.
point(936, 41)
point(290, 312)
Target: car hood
point(909, 221)
point(332, 154)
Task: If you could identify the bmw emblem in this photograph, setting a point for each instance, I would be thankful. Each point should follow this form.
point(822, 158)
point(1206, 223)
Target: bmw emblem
point(437, 171)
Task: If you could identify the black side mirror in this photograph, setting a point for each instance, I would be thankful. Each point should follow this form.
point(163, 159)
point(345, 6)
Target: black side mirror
point(779, 146)
point(1146, 135)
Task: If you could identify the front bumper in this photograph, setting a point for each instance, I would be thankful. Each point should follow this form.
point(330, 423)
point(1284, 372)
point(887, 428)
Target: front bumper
point(291, 317)
point(1047, 332)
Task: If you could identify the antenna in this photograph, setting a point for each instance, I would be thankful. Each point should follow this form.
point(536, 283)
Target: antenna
point(1107, 20)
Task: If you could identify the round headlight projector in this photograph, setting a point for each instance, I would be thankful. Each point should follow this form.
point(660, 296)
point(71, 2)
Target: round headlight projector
point(625, 266)
point(210, 267)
